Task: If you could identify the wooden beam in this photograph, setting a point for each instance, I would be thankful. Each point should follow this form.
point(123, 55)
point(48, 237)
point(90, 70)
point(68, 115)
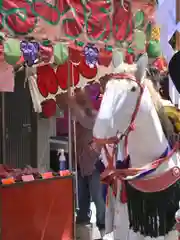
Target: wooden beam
point(178, 19)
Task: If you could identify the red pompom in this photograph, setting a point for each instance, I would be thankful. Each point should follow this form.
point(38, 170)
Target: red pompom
point(86, 71)
point(160, 64)
point(46, 80)
point(48, 108)
point(105, 57)
point(129, 58)
point(74, 55)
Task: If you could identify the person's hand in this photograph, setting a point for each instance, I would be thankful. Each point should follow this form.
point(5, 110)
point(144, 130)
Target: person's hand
point(95, 147)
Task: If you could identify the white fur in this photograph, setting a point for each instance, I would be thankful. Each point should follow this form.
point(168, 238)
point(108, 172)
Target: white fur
point(146, 143)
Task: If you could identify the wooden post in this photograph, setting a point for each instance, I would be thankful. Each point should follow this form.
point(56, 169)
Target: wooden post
point(178, 19)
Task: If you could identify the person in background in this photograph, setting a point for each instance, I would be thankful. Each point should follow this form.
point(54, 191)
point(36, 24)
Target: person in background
point(88, 155)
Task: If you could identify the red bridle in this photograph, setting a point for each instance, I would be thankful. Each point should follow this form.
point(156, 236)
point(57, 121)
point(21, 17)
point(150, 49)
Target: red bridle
point(116, 139)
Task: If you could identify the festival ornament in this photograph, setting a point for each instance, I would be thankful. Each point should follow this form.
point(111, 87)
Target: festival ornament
point(48, 108)
point(154, 49)
point(155, 34)
point(129, 58)
point(139, 40)
point(60, 53)
point(74, 55)
point(91, 55)
point(139, 19)
point(12, 52)
point(148, 31)
point(160, 64)
point(86, 71)
point(30, 52)
point(105, 57)
point(46, 80)
point(46, 51)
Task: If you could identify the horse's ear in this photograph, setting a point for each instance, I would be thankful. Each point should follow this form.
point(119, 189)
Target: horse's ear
point(142, 64)
point(117, 58)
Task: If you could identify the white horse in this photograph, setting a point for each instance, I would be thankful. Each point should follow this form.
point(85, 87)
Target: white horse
point(128, 114)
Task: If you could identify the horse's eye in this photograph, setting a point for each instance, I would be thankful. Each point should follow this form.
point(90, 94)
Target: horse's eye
point(133, 89)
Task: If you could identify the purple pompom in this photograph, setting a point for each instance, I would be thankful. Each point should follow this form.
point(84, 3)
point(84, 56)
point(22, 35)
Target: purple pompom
point(30, 52)
point(91, 55)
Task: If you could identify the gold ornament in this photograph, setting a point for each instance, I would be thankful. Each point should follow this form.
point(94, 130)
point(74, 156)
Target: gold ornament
point(155, 34)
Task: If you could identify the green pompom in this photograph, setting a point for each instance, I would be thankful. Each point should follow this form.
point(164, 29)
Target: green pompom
point(148, 31)
point(139, 19)
point(140, 40)
point(60, 53)
point(154, 49)
point(12, 52)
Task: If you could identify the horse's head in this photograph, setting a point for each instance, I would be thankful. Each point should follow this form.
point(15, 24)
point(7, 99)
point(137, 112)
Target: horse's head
point(121, 99)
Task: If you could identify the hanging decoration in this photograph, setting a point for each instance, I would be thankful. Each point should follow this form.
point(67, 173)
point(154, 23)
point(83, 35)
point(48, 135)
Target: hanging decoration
point(6, 78)
point(30, 52)
point(75, 55)
point(60, 53)
point(48, 108)
point(105, 56)
point(129, 58)
point(46, 51)
point(46, 80)
point(12, 53)
point(160, 64)
point(91, 55)
point(86, 71)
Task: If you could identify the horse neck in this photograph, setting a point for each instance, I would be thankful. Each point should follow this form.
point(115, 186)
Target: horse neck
point(147, 142)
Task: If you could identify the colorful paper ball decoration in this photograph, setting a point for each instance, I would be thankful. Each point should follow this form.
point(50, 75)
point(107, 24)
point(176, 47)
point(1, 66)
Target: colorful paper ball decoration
point(46, 80)
point(60, 53)
point(105, 57)
point(148, 31)
point(160, 64)
point(139, 19)
point(86, 71)
point(74, 55)
point(140, 40)
point(62, 75)
point(154, 49)
point(129, 58)
point(91, 55)
point(30, 51)
point(46, 53)
point(12, 52)
point(155, 34)
point(48, 108)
